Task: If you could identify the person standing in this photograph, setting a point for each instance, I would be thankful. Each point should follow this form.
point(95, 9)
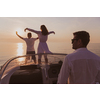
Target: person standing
point(30, 45)
point(43, 37)
point(82, 66)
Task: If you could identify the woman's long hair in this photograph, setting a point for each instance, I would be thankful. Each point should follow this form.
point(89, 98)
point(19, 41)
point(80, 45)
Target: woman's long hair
point(44, 30)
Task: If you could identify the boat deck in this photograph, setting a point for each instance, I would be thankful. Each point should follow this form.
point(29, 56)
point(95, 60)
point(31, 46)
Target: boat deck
point(36, 74)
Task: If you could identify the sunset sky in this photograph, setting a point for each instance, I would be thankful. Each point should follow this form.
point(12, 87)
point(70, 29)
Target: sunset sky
point(63, 27)
point(62, 16)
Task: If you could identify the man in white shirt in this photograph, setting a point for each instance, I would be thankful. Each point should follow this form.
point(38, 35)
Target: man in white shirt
point(81, 66)
point(30, 45)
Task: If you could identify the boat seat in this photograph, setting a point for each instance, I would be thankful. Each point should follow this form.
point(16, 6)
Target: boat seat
point(27, 75)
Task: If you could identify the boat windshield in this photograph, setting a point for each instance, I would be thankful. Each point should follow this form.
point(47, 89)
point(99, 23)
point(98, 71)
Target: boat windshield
point(14, 64)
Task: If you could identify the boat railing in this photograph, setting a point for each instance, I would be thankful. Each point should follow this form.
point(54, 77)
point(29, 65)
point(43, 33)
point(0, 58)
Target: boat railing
point(24, 56)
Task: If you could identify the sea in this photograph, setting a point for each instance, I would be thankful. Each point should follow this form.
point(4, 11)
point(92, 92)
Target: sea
point(12, 49)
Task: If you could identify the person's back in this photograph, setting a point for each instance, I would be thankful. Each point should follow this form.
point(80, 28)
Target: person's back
point(84, 66)
point(42, 38)
point(30, 43)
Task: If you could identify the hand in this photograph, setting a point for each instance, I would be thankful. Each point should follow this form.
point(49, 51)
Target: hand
point(25, 29)
point(16, 32)
point(54, 32)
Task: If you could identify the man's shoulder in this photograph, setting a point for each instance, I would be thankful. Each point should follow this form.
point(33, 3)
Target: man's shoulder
point(85, 54)
point(72, 54)
point(24, 38)
point(93, 55)
point(34, 38)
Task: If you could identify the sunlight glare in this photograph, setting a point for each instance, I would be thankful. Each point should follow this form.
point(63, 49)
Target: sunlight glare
point(20, 31)
point(20, 51)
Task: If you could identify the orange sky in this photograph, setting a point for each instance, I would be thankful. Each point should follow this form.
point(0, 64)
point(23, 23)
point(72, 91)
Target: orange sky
point(63, 27)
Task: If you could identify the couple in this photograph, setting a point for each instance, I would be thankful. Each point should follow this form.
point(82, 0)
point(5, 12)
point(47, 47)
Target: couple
point(42, 47)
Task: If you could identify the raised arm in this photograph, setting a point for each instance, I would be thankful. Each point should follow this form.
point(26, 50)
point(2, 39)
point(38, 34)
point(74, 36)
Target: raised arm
point(51, 32)
point(18, 35)
point(32, 30)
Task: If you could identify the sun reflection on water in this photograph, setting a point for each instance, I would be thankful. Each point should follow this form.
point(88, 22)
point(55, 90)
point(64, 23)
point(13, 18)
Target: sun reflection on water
point(20, 51)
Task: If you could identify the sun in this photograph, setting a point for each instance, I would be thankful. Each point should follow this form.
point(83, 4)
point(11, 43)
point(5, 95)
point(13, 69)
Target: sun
point(20, 31)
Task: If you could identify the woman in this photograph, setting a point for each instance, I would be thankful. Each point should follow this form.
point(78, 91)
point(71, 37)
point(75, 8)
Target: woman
point(43, 37)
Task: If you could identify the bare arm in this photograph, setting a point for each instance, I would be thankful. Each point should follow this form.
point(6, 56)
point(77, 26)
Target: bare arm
point(18, 35)
point(32, 30)
point(51, 32)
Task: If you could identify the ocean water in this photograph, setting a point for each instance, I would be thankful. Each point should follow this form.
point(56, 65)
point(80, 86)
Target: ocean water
point(10, 49)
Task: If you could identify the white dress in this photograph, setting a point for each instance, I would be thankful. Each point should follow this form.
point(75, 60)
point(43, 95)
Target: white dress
point(43, 47)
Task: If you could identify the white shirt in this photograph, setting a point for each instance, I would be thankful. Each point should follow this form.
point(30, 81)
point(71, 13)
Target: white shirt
point(30, 43)
point(80, 67)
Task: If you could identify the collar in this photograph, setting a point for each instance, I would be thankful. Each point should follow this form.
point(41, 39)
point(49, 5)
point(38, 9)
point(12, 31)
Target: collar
point(80, 49)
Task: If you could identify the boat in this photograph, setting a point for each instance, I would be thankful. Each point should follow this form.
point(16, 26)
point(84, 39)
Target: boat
point(17, 71)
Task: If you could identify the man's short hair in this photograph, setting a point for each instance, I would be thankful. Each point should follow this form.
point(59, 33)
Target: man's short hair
point(29, 34)
point(84, 36)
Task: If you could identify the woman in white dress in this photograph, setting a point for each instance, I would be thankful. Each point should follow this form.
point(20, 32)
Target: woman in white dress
point(43, 37)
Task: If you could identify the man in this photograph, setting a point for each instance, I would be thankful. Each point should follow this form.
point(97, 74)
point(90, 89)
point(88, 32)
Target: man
point(82, 66)
point(30, 45)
